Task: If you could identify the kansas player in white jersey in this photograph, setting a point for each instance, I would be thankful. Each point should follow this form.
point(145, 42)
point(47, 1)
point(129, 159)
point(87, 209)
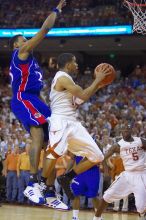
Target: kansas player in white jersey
point(66, 132)
point(133, 179)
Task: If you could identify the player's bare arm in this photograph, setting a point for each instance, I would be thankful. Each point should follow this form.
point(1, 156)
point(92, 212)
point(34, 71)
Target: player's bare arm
point(64, 83)
point(143, 143)
point(114, 149)
point(29, 45)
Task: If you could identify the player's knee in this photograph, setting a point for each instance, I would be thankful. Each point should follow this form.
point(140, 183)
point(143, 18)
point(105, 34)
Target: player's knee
point(107, 198)
point(99, 158)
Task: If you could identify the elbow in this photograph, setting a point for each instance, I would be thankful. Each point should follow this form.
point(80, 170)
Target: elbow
point(101, 158)
point(85, 98)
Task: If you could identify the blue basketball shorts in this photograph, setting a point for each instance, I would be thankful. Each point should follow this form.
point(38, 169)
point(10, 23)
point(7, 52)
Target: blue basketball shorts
point(31, 111)
point(87, 183)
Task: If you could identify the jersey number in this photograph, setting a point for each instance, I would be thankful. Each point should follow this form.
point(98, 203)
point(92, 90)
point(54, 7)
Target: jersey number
point(135, 156)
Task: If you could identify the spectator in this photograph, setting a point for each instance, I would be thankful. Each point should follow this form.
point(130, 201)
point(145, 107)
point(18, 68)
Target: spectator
point(11, 175)
point(23, 172)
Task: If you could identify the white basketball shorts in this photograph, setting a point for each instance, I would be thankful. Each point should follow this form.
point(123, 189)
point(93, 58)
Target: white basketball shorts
point(126, 183)
point(71, 135)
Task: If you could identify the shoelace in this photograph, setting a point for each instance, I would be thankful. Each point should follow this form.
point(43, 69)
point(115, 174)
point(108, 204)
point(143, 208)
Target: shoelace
point(43, 188)
point(58, 196)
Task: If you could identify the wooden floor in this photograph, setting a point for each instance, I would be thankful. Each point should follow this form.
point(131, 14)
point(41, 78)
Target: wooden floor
point(10, 212)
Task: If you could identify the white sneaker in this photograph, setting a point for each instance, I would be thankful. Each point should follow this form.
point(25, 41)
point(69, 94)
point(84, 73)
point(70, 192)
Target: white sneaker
point(33, 193)
point(124, 210)
point(56, 203)
point(116, 209)
point(142, 216)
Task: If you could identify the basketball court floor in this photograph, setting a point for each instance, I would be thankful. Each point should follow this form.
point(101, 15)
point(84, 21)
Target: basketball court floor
point(10, 212)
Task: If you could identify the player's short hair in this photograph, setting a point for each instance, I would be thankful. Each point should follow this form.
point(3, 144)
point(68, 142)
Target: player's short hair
point(64, 58)
point(127, 126)
point(13, 40)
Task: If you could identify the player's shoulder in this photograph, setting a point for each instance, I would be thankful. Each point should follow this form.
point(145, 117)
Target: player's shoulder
point(62, 74)
point(136, 138)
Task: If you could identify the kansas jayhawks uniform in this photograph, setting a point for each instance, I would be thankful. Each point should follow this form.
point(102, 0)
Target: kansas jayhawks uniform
point(26, 81)
point(86, 183)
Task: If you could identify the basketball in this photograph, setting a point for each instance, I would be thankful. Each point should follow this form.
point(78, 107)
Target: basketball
point(109, 78)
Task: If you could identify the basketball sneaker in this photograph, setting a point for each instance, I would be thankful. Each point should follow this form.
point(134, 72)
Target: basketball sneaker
point(52, 200)
point(33, 193)
point(65, 182)
point(142, 216)
point(56, 203)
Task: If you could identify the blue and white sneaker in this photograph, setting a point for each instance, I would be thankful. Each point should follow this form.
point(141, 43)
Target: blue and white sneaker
point(52, 200)
point(33, 193)
point(56, 203)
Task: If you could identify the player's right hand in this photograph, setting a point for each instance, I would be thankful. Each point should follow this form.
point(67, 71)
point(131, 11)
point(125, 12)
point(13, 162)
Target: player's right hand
point(61, 4)
point(101, 73)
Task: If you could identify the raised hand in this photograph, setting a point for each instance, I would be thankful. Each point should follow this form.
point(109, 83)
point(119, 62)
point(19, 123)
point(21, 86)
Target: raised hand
point(102, 72)
point(61, 4)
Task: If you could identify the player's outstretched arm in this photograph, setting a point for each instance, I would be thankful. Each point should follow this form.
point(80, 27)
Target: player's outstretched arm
point(114, 149)
point(84, 94)
point(143, 143)
point(47, 25)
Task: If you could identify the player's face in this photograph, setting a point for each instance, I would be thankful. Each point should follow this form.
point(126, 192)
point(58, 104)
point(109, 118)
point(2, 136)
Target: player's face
point(21, 40)
point(126, 133)
point(73, 66)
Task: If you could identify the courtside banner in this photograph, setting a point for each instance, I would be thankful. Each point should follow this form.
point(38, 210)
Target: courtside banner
point(71, 32)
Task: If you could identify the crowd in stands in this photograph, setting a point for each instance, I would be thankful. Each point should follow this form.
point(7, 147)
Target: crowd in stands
point(103, 115)
point(31, 13)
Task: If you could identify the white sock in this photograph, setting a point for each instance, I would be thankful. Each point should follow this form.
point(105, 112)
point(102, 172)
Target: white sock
point(75, 213)
point(97, 218)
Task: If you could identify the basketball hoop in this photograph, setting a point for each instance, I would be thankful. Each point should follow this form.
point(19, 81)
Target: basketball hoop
point(138, 9)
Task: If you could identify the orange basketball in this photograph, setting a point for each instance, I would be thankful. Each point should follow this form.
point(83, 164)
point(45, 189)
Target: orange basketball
point(109, 78)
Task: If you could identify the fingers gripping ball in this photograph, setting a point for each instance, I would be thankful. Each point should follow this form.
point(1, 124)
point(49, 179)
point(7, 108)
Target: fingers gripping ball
point(109, 78)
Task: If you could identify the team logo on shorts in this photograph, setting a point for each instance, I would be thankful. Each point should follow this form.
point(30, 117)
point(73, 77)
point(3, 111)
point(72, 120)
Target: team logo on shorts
point(74, 181)
point(37, 115)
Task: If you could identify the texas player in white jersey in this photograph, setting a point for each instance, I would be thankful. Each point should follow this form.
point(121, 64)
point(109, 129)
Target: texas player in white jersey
point(133, 179)
point(66, 132)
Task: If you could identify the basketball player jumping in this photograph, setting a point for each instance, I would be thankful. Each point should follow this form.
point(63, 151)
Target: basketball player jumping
point(26, 80)
point(66, 132)
point(133, 179)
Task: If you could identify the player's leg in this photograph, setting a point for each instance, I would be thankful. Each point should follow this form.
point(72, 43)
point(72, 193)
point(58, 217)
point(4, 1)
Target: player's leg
point(48, 177)
point(115, 192)
point(79, 188)
point(139, 190)
point(33, 191)
point(48, 169)
point(80, 144)
point(95, 202)
point(76, 207)
point(33, 114)
point(102, 205)
point(125, 204)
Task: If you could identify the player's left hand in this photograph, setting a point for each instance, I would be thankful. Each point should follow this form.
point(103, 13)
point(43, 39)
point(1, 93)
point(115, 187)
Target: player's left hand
point(61, 4)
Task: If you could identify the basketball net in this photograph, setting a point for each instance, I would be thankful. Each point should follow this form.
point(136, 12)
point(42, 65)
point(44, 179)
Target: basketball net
point(138, 9)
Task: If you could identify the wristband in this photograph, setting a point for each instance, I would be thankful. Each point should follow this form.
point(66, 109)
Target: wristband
point(56, 10)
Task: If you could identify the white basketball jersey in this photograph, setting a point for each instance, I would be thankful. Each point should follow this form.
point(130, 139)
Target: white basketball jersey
point(132, 154)
point(62, 102)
